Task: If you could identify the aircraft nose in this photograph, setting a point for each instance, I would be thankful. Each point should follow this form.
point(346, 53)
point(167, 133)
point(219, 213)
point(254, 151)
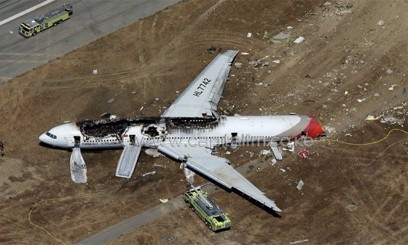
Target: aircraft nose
point(314, 129)
point(44, 139)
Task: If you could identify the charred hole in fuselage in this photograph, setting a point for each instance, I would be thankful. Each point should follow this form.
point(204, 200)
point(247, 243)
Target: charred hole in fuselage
point(152, 126)
point(106, 127)
point(151, 130)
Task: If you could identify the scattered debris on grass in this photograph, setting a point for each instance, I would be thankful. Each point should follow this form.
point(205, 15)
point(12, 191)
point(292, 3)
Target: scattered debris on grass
point(299, 241)
point(303, 154)
point(299, 40)
point(164, 200)
point(300, 185)
point(351, 207)
point(281, 37)
point(149, 173)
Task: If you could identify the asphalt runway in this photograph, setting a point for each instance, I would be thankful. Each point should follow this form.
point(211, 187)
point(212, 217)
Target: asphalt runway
point(92, 19)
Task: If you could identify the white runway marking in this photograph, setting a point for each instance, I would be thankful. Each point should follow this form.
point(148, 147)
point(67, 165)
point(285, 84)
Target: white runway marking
point(25, 12)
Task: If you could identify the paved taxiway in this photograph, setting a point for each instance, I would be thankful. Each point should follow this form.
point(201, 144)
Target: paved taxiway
point(92, 19)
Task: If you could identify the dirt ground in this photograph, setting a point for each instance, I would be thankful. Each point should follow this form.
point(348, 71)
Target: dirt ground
point(352, 63)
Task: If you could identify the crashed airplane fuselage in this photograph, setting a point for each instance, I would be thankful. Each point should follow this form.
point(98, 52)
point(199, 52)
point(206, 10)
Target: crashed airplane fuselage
point(151, 132)
point(187, 132)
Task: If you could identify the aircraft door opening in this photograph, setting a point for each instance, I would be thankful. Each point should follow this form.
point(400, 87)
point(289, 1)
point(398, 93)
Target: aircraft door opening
point(132, 139)
point(234, 140)
point(77, 141)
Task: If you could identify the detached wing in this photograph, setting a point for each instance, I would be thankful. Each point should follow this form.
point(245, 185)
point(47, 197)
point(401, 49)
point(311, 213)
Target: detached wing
point(216, 168)
point(201, 97)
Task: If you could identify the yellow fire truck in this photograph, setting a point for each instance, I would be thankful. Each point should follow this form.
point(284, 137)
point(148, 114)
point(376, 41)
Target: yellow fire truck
point(33, 26)
point(207, 210)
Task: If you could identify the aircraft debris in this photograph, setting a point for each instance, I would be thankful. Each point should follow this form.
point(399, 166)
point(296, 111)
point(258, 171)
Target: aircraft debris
point(351, 207)
point(111, 100)
point(276, 61)
point(274, 161)
point(392, 87)
point(299, 40)
point(259, 63)
point(149, 173)
point(327, 6)
point(389, 119)
point(300, 185)
point(344, 12)
point(303, 154)
point(164, 200)
point(330, 130)
point(153, 152)
point(171, 239)
point(282, 169)
point(265, 152)
point(299, 242)
point(211, 50)
point(381, 23)
point(343, 8)
point(11, 32)
point(227, 153)
point(244, 53)
point(372, 118)
point(289, 147)
point(158, 165)
point(281, 37)
point(360, 100)
point(189, 175)
point(389, 71)
point(238, 65)
point(249, 34)
point(95, 71)
point(265, 35)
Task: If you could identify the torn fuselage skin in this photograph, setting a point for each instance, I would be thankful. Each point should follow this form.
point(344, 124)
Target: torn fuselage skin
point(109, 133)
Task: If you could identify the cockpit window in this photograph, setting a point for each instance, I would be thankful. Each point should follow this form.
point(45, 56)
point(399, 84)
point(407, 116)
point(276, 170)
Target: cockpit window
point(51, 135)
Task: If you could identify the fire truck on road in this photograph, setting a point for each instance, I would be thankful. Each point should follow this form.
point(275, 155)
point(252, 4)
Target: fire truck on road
point(33, 26)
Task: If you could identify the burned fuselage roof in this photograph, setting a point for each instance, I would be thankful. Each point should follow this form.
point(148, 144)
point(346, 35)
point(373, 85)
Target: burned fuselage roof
point(105, 127)
point(117, 126)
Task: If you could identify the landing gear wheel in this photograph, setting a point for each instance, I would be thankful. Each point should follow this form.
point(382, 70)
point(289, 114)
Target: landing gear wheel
point(34, 33)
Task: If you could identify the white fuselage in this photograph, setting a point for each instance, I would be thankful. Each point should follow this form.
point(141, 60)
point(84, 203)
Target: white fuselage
point(228, 130)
